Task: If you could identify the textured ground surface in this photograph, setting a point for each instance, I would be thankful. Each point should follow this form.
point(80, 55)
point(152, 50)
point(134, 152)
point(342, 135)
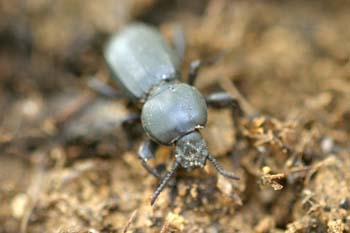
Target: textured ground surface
point(66, 165)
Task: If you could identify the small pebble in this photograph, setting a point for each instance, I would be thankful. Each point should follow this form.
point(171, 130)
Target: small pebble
point(344, 203)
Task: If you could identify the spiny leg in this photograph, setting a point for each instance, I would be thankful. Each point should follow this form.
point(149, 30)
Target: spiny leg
point(193, 71)
point(146, 152)
point(224, 100)
point(102, 88)
point(130, 120)
point(221, 170)
point(179, 42)
point(164, 182)
point(108, 91)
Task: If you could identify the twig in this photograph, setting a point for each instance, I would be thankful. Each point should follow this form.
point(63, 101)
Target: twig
point(131, 219)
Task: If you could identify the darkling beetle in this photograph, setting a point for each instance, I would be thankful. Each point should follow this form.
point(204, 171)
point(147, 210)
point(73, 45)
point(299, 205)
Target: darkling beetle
point(147, 70)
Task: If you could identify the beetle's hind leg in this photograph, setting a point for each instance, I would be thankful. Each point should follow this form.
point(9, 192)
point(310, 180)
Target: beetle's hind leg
point(146, 152)
point(196, 65)
point(179, 41)
point(193, 71)
point(102, 88)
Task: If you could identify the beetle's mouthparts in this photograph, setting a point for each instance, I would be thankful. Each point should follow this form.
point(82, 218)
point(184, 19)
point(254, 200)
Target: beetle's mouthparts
point(191, 151)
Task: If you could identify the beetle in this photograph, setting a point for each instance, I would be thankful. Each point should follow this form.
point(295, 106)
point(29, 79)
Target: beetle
point(146, 68)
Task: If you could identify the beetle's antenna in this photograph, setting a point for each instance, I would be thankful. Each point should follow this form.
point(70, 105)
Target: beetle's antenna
point(164, 182)
point(221, 170)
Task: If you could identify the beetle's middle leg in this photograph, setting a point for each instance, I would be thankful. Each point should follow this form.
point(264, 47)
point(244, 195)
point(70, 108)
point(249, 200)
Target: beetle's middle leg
point(146, 152)
point(224, 100)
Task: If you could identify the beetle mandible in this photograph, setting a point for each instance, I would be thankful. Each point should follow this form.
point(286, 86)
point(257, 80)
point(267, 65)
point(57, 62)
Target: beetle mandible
point(147, 70)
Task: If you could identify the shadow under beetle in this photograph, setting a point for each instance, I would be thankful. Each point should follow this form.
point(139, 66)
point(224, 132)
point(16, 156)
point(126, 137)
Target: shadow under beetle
point(147, 70)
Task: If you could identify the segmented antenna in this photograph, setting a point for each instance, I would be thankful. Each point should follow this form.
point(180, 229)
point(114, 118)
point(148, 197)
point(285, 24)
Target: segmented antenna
point(164, 182)
point(221, 170)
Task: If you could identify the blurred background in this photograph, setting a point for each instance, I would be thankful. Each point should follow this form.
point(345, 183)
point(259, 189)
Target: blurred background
point(67, 164)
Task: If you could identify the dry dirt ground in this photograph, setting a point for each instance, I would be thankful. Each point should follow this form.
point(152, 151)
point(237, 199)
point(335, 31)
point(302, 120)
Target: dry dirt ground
point(67, 164)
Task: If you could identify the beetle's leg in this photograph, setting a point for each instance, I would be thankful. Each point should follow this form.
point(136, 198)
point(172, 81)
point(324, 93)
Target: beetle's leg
point(197, 64)
point(131, 119)
point(193, 71)
point(221, 170)
point(224, 100)
point(131, 127)
point(103, 88)
point(146, 152)
point(179, 41)
point(164, 182)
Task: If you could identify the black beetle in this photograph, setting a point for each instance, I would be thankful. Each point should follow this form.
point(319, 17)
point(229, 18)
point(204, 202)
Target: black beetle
point(147, 69)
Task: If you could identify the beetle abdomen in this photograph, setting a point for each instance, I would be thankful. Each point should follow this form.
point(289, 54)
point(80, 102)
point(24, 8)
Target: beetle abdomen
point(139, 59)
point(172, 110)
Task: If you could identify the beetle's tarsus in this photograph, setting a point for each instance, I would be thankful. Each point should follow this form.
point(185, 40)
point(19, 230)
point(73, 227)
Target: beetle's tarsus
point(164, 182)
point(221, 170)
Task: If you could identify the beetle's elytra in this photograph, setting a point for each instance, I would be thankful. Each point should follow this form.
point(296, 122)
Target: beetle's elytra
point(147, 70)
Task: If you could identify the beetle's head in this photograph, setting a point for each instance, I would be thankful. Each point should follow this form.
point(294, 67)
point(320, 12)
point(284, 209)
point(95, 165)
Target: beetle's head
point(191, 151)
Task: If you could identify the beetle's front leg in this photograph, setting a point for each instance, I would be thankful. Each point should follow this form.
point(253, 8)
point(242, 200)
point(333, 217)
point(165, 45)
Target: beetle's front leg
point(224, 100)
point(146, 152)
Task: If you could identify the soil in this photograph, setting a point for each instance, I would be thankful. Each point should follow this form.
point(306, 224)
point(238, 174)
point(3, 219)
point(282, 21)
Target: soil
point(69, 165)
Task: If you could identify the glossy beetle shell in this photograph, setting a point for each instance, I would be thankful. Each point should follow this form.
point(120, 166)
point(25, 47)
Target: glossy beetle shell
point(139, 58)
point(172, 111)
